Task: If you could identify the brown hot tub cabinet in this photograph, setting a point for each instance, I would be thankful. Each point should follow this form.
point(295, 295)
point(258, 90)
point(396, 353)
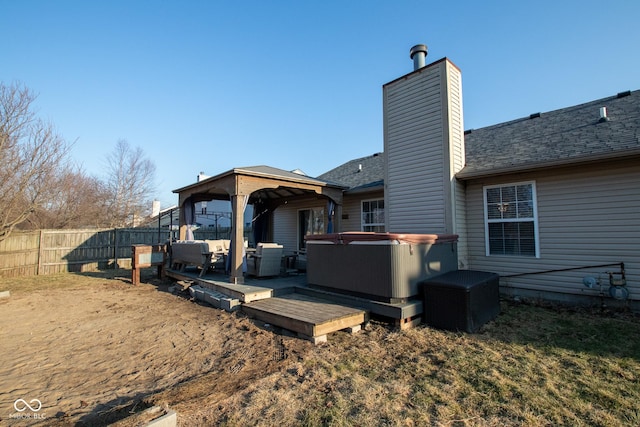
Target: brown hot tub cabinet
point(385, 267)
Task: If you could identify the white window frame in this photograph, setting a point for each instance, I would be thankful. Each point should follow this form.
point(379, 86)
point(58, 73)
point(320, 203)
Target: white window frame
point(362, 222)
point(487, 221)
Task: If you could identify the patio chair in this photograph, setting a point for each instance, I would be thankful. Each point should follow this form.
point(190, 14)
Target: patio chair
point(265, 261)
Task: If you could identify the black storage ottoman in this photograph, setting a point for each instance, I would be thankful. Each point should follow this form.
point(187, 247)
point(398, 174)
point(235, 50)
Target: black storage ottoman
point(461, 300)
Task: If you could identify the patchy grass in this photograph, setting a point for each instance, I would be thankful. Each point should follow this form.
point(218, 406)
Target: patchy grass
point(532, 366)
point(25, 284)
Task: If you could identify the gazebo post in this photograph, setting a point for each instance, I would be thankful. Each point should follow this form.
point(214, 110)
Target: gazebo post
point(182, 233)
point(237, 208)
point(337, 218)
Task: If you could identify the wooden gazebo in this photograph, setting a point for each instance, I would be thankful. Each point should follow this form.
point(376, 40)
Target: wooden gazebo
point(245, 185)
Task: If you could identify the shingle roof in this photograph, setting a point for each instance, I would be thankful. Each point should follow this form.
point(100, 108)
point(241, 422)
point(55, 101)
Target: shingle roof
point(352, 176)
point(275, 172)
point(569, 135)
point(561, 137)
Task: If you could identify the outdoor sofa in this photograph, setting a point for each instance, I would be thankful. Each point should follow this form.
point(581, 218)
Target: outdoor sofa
point(196, 253)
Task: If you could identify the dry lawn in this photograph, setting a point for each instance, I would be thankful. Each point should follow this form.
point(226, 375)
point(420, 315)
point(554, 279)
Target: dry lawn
point(95, 350)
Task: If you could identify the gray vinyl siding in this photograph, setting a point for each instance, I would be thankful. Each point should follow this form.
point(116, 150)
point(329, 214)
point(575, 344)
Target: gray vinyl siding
point(456, 147)
point(424, 147)
point(456, 122)
point(461, 225)
point(285, 227)
point(285, 222)
point(586, 216)
point(285, 218)
point(352, 207)
point(414, 180)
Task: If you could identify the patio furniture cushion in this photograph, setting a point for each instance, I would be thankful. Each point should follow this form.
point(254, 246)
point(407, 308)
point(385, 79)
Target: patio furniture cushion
point(266, 260)
point(218, 246)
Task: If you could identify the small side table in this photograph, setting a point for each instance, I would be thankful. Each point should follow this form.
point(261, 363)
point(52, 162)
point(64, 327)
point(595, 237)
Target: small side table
point(289, 262)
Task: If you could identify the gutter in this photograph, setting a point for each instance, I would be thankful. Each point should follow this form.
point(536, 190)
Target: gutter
point(367, 188)
point(531, 167)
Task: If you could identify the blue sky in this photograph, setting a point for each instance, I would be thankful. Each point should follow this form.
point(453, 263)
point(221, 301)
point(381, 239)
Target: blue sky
point(212, 85)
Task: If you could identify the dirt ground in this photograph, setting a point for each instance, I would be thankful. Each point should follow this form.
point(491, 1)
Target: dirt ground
point(91, 349)
point(92, 354)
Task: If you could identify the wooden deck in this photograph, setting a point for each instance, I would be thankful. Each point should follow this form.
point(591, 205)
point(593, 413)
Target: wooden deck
point(288, 302)
point(310, 317)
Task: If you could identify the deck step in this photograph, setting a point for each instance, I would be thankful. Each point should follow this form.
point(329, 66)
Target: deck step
point(312, 318)
point(243, 293)
point(214, 298)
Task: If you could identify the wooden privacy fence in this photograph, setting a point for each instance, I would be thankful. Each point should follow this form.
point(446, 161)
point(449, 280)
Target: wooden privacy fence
point(39, 252)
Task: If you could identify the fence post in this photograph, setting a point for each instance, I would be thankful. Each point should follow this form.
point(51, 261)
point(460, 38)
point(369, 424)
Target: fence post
point(38, 267)
point(115, 248)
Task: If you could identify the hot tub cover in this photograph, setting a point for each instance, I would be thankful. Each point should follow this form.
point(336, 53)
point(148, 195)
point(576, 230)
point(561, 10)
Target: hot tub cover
point(363, 236)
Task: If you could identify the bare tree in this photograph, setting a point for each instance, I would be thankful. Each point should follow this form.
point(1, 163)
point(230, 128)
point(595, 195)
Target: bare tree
point(130, 185)
point(78, 201)
point(32, 154)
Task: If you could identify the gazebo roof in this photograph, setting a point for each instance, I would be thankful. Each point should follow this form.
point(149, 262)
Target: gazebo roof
point(263, 182)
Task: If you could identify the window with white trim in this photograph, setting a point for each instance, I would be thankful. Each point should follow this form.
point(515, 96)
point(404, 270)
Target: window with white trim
point(511, 220)
point(373, 215)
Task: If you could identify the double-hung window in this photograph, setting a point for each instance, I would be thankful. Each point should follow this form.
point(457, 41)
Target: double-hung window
point(511, 222)
point(373, 215)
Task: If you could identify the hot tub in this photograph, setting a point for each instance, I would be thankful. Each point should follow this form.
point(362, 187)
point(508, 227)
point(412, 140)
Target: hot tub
point(381, 266)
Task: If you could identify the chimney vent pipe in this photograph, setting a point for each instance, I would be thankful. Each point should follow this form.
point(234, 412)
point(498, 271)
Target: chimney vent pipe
point(418, 53)
point(603, 114)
